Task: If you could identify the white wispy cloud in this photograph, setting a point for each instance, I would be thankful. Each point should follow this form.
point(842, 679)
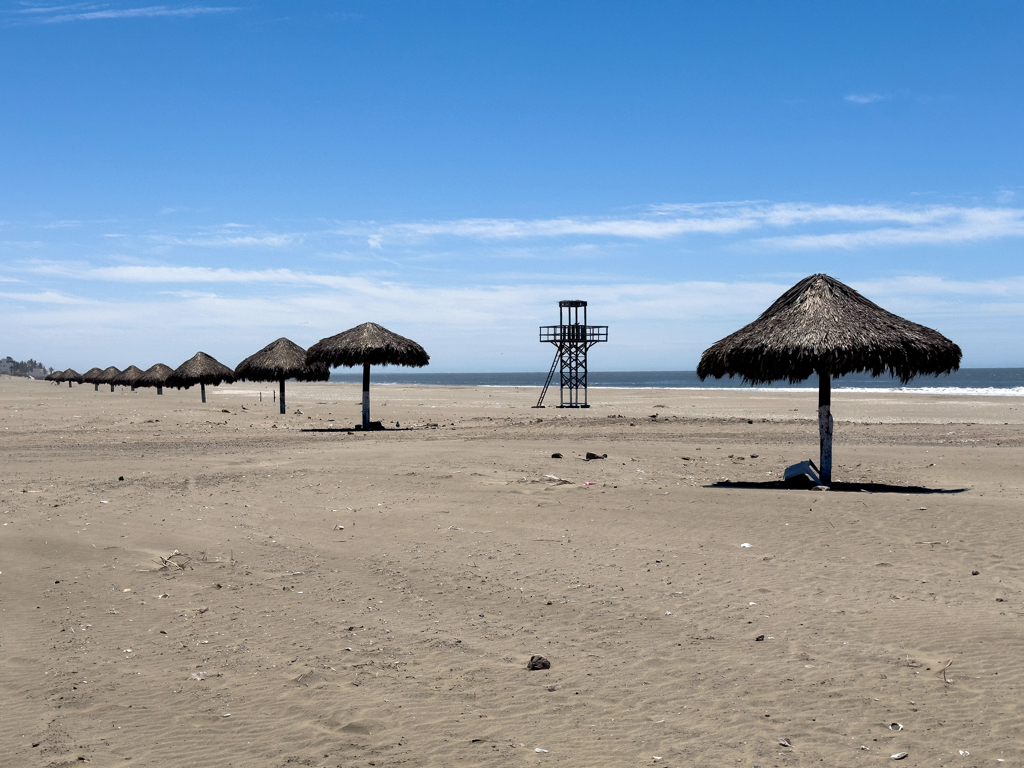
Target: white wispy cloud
point(47, 297)
point(930, 285)
point(796, 226)
point(939, 226)
point(850, 225)
point(175, 274)
point(690, 294)
point(865, 98)
point(234, 241)
point(57, 14)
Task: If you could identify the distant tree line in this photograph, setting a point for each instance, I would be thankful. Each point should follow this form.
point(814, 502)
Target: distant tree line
point(21, 367)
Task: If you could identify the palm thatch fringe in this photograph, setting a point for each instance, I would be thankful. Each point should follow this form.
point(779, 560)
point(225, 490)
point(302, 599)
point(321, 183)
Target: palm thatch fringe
point(108, 375)
point(281, 359)
point(822, 326)
point(278, 361)
point(200, 369)
point(155, 376)
point(129, 377)
point(92, 377)
point(367, 343)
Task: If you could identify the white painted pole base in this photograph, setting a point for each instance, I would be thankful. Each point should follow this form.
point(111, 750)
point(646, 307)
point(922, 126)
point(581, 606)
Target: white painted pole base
point(825, 439)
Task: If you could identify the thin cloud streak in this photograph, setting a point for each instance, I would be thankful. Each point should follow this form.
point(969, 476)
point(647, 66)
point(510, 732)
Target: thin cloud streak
point(47, 297)
point(1009, 286)
point(796, 226)
point(865, 98)
point(911, 225)
point(232, 241)
point(89, 12)
point(690, 293)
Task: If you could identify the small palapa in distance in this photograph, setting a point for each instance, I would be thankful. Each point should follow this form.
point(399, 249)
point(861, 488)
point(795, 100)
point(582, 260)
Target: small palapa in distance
point(92, 377)
point(200, 369)
point(280, 360)
point(108, 375)
point(129, 377)
point(155, 376)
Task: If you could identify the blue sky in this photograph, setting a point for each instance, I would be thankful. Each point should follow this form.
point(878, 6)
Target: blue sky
point(211, 176)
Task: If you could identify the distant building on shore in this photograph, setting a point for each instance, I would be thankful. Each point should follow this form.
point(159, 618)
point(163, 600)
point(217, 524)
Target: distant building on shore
point(30, 368)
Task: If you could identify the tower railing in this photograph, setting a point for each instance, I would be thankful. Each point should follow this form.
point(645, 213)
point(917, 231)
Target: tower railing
point(557, 334)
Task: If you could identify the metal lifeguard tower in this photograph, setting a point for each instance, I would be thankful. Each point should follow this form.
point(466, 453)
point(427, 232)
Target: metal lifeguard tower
point(572, 340)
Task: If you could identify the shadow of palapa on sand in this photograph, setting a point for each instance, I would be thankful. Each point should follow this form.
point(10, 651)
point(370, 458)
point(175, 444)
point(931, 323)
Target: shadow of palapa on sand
point(841, 487)
point(359, 430)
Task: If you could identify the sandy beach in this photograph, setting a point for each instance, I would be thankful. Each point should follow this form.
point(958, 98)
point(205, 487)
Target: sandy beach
point(220, 585)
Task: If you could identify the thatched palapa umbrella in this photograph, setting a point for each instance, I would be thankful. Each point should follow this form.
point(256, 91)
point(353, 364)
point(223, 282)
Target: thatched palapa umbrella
point(200, 369)
point(822, 326)
point(280, 360)
point(92, 377)
point(71, 376)
point(129, 377)
point(108, 376)
point(53, 376)
point(155, 376)
point(367, 344)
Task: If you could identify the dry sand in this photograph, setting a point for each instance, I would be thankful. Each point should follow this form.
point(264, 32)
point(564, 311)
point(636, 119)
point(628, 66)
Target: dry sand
point(355, 600)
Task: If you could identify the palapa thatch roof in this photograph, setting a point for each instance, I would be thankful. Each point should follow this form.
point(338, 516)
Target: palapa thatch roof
point(155, 376)
point(55, 376)
point(200, 369)
point(108, 375)
point(821, 325)
point(92, 376)
point(129, 377)
point(367, 343)
point(279, 360)
point(71, 375)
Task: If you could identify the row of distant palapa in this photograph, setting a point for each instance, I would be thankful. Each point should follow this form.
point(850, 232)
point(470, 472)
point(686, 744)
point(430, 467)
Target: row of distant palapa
point(367, 344)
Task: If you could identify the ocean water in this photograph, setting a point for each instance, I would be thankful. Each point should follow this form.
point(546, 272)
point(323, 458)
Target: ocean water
point(966, 381)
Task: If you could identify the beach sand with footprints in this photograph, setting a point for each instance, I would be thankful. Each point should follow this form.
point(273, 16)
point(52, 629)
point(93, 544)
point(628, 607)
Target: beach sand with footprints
point(220, 585)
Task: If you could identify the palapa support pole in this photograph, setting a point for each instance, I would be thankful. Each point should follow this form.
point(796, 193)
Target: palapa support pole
point(69, 384)
point(282, 397)
point(366, 396)
point(159, 390)
point(96, 387)
point(111, 387)
point(825, 425)
point(202, 388)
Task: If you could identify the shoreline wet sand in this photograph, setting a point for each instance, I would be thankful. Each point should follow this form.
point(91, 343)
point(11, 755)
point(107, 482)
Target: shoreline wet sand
point(353, 599)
